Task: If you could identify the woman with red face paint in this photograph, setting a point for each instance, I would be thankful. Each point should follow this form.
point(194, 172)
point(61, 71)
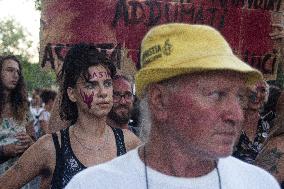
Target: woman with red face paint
point(87, 90)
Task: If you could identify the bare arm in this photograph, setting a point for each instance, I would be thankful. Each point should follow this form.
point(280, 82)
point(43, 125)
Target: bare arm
point(131, 140)
point(30, 130)
point(12, 150)
point(35, 161)
point(271, 158)
point(44, 126)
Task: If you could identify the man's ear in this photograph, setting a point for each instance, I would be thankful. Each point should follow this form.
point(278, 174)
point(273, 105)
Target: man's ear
point(71, 95)
point(158, 99)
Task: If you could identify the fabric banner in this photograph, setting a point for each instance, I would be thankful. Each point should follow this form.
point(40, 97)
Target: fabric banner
point(117, 27)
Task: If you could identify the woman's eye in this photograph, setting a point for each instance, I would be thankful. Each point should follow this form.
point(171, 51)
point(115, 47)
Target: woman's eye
point(90, 86)
point(108, 84)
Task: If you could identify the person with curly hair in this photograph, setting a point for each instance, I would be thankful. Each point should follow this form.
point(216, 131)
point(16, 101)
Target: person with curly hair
point(15, 120)
point(87, 93)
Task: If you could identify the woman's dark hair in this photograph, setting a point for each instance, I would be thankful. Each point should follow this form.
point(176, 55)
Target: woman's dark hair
point(18, 96)
point(77, 61)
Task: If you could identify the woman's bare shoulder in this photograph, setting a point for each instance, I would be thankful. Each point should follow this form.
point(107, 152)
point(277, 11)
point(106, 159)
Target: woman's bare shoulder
point(130, 139)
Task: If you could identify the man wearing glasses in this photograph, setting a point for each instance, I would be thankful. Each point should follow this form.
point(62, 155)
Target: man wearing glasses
point(123, 99)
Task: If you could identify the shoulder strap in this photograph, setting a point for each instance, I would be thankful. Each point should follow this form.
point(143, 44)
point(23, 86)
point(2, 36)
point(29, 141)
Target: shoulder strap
point(119, 139)
point(56, 144)
point(57, 176)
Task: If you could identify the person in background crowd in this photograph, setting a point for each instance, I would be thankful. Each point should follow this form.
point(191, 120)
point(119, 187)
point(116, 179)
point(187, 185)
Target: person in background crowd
point(255, 128)
point(274, 93)
point(15, 119)
point(87, 99)
point(192, 86)
point(119, 115)
point(36, 104)
point(259, 113)
point(271, 157)
point(41, 125)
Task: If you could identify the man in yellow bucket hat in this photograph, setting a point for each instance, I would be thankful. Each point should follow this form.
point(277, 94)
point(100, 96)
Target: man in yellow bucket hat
point(191, 86)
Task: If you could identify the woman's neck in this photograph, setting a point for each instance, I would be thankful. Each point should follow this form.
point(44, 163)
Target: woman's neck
point(91, 125)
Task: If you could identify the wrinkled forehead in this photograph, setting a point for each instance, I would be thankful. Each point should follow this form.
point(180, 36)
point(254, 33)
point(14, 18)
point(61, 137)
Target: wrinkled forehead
point(121, 85)
point(211, 79)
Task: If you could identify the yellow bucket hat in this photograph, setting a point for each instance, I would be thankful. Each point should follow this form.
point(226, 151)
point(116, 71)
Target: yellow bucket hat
point(175, 49)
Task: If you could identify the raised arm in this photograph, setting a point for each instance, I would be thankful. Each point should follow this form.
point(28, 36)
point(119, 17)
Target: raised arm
point(37, 160)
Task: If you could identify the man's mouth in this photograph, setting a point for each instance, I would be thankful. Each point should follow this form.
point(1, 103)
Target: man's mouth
point(122, 108)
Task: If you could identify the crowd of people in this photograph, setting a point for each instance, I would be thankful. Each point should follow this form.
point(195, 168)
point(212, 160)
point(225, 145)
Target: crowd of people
point(198, 119)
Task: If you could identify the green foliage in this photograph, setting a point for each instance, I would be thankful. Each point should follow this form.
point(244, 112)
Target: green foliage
point(38, 5)
point(36, 77)
point(13, 40)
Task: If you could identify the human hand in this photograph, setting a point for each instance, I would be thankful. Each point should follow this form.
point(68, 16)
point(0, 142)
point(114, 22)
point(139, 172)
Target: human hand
point(11, 150)
point(24, 139)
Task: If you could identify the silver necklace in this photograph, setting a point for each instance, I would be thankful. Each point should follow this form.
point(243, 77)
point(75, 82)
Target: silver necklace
point(90, 148)
point(146, 173)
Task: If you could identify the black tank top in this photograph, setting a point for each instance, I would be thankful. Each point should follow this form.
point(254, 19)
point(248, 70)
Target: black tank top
point(67, 164)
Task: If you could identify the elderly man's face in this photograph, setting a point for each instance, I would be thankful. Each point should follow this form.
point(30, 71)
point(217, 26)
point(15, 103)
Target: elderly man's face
point(206, 113)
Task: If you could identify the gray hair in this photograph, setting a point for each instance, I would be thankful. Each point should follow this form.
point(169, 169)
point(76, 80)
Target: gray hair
point(145, 120)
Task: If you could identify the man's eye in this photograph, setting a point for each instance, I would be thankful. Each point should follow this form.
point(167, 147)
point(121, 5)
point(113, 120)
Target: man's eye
point(217, 95)
point(128, 94)
point(116, 94)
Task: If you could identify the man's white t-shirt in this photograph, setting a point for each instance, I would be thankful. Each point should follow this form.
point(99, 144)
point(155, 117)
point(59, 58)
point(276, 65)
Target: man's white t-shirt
point(128, 171)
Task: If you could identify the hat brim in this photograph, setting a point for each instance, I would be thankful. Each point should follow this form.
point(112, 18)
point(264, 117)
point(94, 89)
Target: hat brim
point(159, 72)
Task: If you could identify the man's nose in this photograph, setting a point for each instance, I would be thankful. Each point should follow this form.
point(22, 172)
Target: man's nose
point(233, 111)
point(122, 99)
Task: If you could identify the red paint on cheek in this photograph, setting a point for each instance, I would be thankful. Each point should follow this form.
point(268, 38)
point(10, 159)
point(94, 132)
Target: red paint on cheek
point(87, 99)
